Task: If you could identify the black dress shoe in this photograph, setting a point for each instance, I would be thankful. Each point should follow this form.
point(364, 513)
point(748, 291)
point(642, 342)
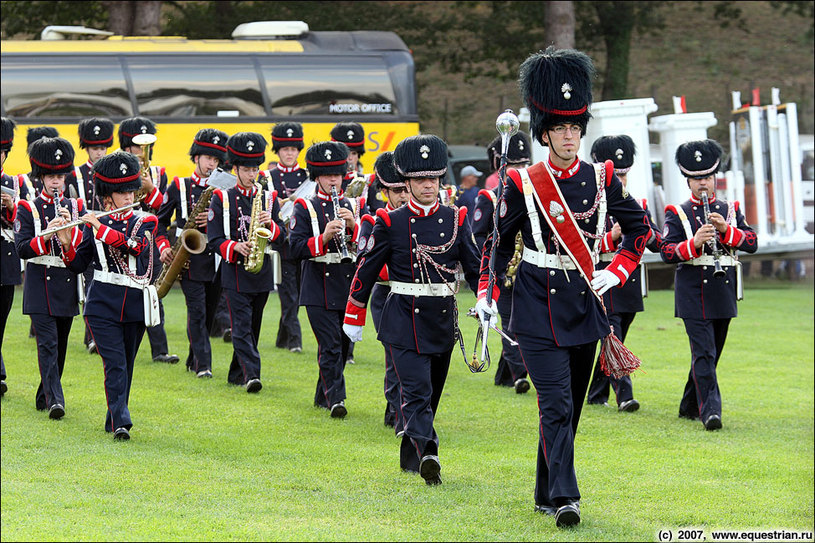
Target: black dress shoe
point(92, 348)
point(3, 388)
point(713, 422)
point(546, 509)
point(166, 358)
point(253, 385)
point(56, 411)
point(228, 335)
point(121, 434)
point(689, 416)
point(521, 386)
point(338, 410)
point(629, 406)
point(567, 515)
point(429, 469)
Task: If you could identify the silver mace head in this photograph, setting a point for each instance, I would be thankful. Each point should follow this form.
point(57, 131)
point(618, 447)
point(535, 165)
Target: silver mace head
point(507, 123)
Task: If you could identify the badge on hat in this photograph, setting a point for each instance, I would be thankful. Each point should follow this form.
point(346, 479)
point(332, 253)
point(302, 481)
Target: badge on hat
point(215, 140)
point(328, 154)
point(424, 150)
point(566, 89)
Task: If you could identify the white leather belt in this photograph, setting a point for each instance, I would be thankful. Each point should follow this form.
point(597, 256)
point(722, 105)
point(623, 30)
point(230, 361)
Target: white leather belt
point(331, 258)
point(607, 257)
point(423, 289)
point(707, 260)
point(545, 260)
point(7, 234)
point(117, 279)
point(47, 260)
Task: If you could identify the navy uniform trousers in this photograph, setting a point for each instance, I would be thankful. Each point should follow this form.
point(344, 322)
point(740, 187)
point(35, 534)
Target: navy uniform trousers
point(289, 334)
point(332, 352)
point(246, 316)
point(701, 396)
point(52, 343)
point(202, 299)
point(392, 393)
point(118, 343)
point(510, 365)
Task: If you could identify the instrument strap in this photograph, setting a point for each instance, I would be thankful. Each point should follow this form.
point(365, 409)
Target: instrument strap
point(315, 225)
point(226, 214)
point(80, 182)
point(182, 194)
point(534, 218)
point(683, 217)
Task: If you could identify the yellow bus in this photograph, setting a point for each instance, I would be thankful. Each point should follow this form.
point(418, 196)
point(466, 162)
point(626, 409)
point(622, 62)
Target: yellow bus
point(269, 72)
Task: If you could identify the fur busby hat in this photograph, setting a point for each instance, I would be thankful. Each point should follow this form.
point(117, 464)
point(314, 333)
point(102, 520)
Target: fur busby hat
point(117, 172)
point(421, 156)
point(210, 141)
point(36, 132)
point(556, 88)
point(133, 127)
point(7, 137)
point(287, 134)
point(246, 149)
point(699, 158)
point(386, 175)
point(95, 132)
point(351, 134)
point(327, 158)
point(618, 149)
point(51, 156)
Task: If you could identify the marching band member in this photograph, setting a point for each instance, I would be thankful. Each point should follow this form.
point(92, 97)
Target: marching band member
point(96, 137)
point(625, 302)
point(154, 184)
point(200, 280)
point(557, 313)
point(422, 243)
point(229, 225)
point(511, 371)
point(320, 229)
point(701, 237)
point(50, 291)
point(119, 247)
point(286, 178)
point(10, 274)
point(393, 188)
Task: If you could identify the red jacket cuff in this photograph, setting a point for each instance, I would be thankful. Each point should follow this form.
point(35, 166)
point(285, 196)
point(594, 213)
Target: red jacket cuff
point(622, 266)
point(228, 250)
point(482, 291)
point(733, 236)
point(608, 245)
point(315, 245)
point(354, 314)
point(38, 245)
point(162, 243)
point(154, 199)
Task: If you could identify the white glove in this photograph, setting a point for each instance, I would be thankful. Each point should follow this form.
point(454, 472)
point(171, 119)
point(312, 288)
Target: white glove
point(602, 280)
point(487, 312)
point(353, 331)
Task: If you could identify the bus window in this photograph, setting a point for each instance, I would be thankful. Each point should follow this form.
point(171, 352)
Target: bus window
point(196, 86)
point(329, 86)
point(64, 86)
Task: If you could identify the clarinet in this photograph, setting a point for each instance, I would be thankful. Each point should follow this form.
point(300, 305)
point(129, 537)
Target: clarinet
point(718, 271)
point(345, 258)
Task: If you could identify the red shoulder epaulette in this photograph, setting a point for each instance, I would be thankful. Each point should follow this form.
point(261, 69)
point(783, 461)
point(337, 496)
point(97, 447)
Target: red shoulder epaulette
point(736, 205)
point(368, 218)
point(516, 178)
point(382, 214)
point(462, 214)
point(672, 209)
point(609, 171)
point(644, 204)
point(26, 204)
point(484, 192)
point(177, 182)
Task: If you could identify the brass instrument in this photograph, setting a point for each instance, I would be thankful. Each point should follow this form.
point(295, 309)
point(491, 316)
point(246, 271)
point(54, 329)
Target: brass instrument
point(515, 261)
point(356, 186)
point(718, 271)
point(258, 235)
point(190, 242)
point(98, 216)
point(144, 141)
point(341, 240)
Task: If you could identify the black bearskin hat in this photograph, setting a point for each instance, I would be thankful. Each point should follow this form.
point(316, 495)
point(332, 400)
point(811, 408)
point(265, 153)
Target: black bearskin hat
point(7, 137)
point(288, 134)
point(326, 158)
point(386, 175)
point(421, 156)
point(699, 158)
point(210, 141)
point(556, 88)
point(37, 132)
point(618, 149)
point(95, 132)
point(51, 156)
point(351, 134)
point(246, 149)
point(117, 172)
point(133, 127)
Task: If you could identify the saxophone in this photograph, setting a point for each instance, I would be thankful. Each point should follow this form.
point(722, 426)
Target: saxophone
point(190, 242)
point(258, 235)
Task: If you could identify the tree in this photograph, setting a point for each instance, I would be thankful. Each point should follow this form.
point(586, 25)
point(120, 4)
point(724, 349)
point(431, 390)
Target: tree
point(560, 24)
point(134, 18)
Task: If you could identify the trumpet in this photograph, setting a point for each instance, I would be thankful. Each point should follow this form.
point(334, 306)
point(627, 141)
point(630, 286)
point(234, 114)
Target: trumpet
point(98, 216)
point(718, 271)
point(144, 141)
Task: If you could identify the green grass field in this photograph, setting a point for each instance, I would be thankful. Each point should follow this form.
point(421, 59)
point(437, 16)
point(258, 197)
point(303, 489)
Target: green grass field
point(207, 461)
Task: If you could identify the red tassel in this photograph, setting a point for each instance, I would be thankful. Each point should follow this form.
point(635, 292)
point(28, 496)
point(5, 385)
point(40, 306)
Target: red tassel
point(616, 359)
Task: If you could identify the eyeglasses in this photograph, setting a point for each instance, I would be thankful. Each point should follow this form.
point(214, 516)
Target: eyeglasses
point(562, 128)
point(398, 190)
